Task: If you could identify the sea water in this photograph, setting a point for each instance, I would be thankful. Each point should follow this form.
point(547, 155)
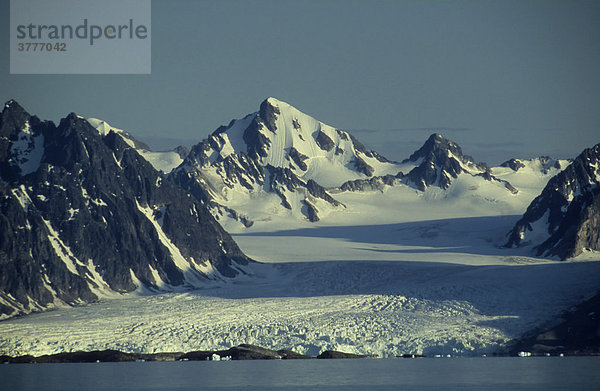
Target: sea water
point(532, 373)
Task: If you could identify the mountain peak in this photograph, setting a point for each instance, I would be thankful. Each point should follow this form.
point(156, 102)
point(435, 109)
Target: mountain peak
point(280, 135)
point(73, 120)
point(436, 145)
point(14, 108)
point(440, 141)
point(280, 149)
point(439, 161)
point(278, 103)
point(105, 128)
point(10, 103)
point(274, 101)
point(271, 107)
point(436, 136)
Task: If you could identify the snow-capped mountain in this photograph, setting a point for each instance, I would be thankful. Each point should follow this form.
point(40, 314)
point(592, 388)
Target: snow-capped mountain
point(277, 151)
point(280, 161)
point(439, 161)
point(83, 216)
point(564, 220)
point(164, 161)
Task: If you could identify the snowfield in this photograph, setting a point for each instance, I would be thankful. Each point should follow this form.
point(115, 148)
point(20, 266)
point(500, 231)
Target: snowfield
point(394, 273)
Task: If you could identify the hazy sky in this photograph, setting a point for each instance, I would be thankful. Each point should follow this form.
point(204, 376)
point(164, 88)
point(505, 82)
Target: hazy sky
point(501, 78)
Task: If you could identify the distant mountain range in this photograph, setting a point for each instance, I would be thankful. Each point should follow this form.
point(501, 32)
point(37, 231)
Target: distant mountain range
point(281, 151)
point(87, 211)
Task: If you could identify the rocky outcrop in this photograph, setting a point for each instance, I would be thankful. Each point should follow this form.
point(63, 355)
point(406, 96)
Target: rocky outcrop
point(298, 158)
point(440, 161)
point(324, 142)
point(361, 166)
point(564, 220)
point(333, 354)
point(359, 147)
point(513, 164)
point(576, 334)
point(375, 183)
point(182, 151)
point(544, 162)
point(489, 177)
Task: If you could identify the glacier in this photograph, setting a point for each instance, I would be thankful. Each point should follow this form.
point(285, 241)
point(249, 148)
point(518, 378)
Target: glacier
point(430, 279)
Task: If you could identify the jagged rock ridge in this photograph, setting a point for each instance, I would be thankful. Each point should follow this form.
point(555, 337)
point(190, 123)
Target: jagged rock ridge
point(439, 161)
point(164, 161)
point(564, 220)
point(546, 163)
point(83, 215)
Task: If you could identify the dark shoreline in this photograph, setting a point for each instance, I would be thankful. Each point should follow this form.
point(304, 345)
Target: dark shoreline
point(242, 352)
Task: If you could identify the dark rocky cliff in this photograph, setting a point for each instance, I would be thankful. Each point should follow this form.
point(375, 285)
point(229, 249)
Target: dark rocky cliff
point(567, 212)
point(84, 215)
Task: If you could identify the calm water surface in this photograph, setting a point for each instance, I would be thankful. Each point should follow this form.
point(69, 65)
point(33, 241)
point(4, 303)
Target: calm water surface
point(548, 373)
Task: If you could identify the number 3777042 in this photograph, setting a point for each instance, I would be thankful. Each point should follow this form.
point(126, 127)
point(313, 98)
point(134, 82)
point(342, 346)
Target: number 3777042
point(41, 47)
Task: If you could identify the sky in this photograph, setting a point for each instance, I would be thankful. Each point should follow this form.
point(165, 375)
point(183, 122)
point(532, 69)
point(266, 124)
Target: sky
point(501, 78)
